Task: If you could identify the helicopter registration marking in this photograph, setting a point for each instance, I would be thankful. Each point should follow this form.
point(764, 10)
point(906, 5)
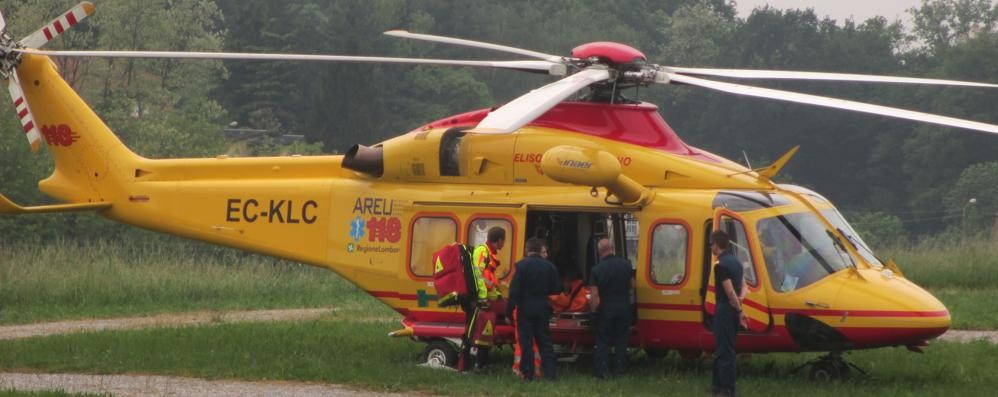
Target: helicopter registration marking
point(271, 211)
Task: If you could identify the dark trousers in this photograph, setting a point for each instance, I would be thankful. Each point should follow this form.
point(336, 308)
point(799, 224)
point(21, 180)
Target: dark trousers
point(533, 324)
point(725, 332)
point(612, 326)
point(481, 355)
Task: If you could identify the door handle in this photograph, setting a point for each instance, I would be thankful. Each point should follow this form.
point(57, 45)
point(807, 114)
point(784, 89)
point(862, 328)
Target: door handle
point(816, 304)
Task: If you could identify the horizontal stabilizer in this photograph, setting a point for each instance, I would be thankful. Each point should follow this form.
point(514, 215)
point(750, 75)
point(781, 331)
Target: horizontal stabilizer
point(8, 207)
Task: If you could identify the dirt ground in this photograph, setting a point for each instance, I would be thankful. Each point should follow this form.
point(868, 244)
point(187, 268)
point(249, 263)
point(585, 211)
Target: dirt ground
point(145, 385)
point(163, 320)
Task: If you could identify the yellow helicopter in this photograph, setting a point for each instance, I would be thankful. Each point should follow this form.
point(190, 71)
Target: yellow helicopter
point(540, 165)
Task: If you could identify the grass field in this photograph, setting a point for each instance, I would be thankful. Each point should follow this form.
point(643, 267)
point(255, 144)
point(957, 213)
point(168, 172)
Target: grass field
point(359, 354)
point(66, 280)
point(150, 275)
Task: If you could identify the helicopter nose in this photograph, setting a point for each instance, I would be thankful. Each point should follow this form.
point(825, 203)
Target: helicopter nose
point(883, 309)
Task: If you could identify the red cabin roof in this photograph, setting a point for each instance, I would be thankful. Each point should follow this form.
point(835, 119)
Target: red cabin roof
point(639, 124)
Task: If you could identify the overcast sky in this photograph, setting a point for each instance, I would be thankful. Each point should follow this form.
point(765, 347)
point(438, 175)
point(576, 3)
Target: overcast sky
point(839, 10)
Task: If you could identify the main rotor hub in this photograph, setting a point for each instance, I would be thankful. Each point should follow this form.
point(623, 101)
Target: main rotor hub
point(615, 53)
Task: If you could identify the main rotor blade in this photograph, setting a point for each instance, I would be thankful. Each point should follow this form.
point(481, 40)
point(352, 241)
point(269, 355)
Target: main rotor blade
point(833, 103)
point(795, 75)
point(55, 27)
point(521, 111)
point(531, 66)
point(471, 43)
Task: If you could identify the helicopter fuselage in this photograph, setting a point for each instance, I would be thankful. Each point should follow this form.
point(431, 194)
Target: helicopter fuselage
point(580, 170)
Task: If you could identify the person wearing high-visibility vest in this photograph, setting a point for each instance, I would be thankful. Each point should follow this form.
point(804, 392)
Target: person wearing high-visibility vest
point(484, 261)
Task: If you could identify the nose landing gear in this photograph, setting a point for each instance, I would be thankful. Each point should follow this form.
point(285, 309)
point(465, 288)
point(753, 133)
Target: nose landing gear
point(830, 367)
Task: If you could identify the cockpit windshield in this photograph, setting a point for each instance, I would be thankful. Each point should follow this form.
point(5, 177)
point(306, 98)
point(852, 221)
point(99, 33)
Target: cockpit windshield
point(837, 220)
point(799, 250)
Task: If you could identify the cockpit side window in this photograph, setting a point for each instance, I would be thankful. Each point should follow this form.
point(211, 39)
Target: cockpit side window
point(450, 154)
point(740, 247)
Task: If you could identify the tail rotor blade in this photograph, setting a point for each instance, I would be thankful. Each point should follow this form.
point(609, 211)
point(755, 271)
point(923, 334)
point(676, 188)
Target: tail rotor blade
point(54, 28)
point(24, 112)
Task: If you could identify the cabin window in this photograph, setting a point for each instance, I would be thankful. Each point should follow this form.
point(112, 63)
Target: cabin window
point(670, 244)
point(478, 232)
point(429, 234)
point(740, 247)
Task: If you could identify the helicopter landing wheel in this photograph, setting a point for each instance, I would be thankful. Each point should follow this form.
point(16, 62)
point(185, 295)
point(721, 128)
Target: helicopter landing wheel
point(656, 354)
point(440, 353)
point(830, 368)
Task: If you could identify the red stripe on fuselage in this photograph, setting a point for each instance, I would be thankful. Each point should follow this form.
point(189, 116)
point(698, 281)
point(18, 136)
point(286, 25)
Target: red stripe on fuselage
point(748, 302)
point(669, 306)
point(863, 313)
point(393, 294)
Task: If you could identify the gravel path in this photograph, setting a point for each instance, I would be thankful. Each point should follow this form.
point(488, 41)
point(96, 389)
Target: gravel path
point(970, 336)
point(163, 320)
point(144, 385)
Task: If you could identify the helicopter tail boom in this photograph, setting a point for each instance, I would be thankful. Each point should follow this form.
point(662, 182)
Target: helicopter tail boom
point(82, 146)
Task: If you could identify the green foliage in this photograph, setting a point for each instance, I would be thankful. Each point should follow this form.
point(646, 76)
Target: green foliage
point(973, 200)
point(879, 229)
point(169, 108)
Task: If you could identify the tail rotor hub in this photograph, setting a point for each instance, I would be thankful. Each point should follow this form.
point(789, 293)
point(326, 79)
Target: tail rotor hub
point(9, 59)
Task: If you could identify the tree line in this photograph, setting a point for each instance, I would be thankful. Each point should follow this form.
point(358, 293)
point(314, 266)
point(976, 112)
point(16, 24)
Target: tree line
point(896, 176)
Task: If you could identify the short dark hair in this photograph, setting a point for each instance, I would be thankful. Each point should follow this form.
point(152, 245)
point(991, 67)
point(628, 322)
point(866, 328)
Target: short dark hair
point(720, 238)
point(496, 233)
point(534, 245)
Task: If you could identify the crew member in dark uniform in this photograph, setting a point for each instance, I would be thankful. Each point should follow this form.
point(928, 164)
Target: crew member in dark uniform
point(612, 280)
point(534, 280)
point(728, 283)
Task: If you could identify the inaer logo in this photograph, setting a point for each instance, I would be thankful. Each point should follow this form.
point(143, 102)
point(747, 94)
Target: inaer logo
point(59, 135)
point(575, 164)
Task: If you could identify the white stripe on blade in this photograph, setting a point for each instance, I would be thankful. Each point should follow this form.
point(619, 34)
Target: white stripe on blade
point(24, 112)
point(59, 25)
